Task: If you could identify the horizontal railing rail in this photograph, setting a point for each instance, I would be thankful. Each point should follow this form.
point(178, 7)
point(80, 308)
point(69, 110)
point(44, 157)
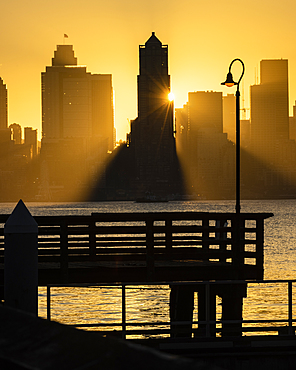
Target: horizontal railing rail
point(282, 326)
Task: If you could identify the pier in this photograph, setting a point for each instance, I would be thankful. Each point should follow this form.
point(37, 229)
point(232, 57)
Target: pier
point(157, 247)
point(127, 247)
point(196, 256)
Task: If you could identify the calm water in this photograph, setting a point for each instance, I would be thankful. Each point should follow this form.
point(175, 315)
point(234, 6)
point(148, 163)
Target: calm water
point(90, 305)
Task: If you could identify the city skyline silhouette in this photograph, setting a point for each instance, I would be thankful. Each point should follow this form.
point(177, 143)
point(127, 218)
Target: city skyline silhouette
point(203, 38)
point(169, 153)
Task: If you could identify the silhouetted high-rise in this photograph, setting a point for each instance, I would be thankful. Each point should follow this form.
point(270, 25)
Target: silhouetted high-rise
point(76, 103)
point(31, 140)
point(3, 105)
point(270, 104)
point(152, 133)
point(16, 131)
point(203, 148)
point(77, 126)
point(229, 116)
point(205, 111)
point(274, 168)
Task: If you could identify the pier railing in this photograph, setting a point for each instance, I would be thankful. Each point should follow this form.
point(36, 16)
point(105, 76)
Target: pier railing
point(275, 322)
point(148, 239)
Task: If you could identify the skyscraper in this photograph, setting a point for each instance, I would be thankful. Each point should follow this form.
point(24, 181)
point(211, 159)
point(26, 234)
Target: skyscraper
point(207, 154)
point(270, 105)
point(229, 116)
point(274, 153)
point(31, 140)
point(77, 126)
point(76, 103)
point(205, 111)
point(16, 131)
point(3, 105)
point(152, 132)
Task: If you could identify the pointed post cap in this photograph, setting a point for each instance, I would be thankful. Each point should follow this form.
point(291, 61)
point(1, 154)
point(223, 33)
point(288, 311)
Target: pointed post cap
point(21, 221)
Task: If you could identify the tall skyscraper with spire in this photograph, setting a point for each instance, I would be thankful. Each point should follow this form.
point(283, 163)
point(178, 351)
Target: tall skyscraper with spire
point(152, 132)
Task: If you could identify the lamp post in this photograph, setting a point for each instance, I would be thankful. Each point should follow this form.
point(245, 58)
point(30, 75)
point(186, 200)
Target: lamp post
point(229, 83)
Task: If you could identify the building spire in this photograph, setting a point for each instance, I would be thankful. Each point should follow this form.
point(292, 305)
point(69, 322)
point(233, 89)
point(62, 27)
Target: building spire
point(153, 40)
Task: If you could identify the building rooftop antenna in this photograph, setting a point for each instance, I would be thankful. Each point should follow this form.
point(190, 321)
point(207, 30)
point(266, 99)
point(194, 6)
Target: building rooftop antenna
point(256, 76)
point(243, 109)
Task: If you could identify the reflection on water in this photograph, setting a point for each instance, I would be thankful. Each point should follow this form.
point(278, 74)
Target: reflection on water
point(93, 305)
point(89, 305)
point(267, 302)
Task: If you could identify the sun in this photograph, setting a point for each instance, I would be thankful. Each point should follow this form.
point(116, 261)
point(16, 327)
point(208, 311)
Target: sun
point(171, 96)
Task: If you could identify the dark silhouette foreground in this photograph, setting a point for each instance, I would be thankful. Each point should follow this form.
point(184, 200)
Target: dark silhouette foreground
point(28, 342)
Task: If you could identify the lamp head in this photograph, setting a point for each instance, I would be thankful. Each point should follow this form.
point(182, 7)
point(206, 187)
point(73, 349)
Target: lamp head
point(229, 80)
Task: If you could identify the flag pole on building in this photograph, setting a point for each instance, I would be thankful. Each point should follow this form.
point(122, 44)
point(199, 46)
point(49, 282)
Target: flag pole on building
point(65, 37)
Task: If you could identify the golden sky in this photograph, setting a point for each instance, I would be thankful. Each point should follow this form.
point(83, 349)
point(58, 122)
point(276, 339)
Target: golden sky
point(203, 37)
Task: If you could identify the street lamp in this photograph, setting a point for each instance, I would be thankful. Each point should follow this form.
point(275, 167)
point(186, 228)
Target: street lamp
point(229, 83)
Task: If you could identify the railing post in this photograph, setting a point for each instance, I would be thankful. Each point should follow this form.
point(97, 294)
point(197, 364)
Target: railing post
point(64, 252)
point(208, 331)
point(221, 237)
point(236, 244)
point(259, 248)
point(290, 301)
point(123, 312)
point(205, 236)
point(150, 250)
point(92, 239)
point(168, 235)
point(48, 303)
